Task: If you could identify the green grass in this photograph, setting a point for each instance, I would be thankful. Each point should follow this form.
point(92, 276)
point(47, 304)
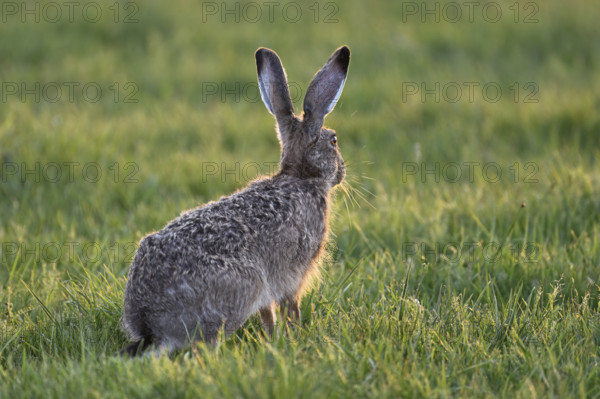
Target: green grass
point(433, 287)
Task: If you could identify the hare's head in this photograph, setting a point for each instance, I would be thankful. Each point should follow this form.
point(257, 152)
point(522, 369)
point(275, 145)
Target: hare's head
point(308, 150)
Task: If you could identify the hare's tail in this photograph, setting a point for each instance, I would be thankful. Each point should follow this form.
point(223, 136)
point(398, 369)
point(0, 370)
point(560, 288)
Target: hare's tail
point(135, 324)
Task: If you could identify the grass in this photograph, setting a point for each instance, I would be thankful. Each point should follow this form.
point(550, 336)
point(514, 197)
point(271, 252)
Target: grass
point(436, 285)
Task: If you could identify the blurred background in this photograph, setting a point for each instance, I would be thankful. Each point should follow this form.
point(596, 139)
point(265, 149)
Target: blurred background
point(115, 116)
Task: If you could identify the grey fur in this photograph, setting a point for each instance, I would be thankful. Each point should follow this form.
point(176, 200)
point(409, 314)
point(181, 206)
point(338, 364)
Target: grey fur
point(216, 265)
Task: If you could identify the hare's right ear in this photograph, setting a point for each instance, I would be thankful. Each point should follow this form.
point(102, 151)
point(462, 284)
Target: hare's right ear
point(326, 87)
point(273, 86)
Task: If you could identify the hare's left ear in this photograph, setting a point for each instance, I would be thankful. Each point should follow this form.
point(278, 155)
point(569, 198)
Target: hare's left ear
point(273, 86)
point(326, 87)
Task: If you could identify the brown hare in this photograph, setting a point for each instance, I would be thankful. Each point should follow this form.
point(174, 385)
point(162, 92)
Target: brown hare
point(216, 265)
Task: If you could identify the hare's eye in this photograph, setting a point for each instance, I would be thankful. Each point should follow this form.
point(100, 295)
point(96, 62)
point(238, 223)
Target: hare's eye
point(333, 140)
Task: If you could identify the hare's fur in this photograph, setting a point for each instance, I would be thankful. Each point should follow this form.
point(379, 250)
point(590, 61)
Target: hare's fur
point(216, 265)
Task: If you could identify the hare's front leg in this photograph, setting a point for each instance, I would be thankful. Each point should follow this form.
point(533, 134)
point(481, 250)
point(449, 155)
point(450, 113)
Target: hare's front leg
point(268, 317)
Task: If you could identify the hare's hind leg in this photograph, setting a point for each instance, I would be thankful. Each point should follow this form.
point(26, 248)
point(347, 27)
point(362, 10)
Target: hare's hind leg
point(269, 318)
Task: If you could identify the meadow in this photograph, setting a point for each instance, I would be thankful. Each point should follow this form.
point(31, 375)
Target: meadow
point(465, 250)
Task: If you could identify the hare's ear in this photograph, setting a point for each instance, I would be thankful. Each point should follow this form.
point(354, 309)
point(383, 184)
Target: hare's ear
point(326, 87)
point(273, 85)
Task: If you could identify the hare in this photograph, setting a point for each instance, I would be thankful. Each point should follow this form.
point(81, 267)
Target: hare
point(216, 265)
